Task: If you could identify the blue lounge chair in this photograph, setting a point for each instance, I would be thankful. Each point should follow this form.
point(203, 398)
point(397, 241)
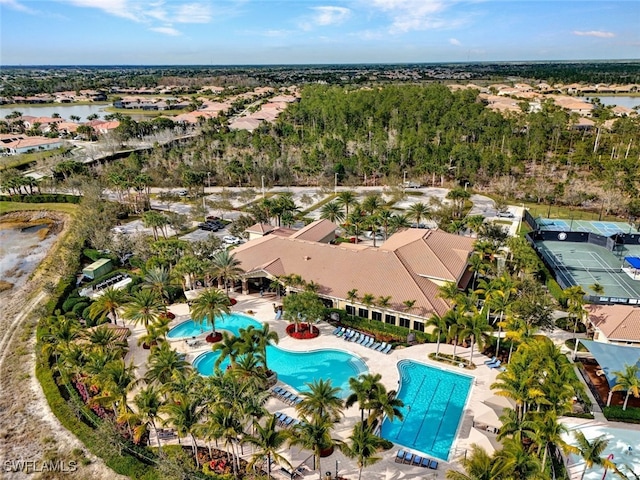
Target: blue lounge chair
point(355, 337)
point(363, 340)
point(400, 456)
point(487, 362)
point(433, 464)
point(417, 460)
point(387, 349)
point(335, 332)
point(286, 395)
point(425, 462)
point(278, 415)
point(278, 390)
point(288, 421)
point(382, 346)
point(348, 334)
point(369, 342)
point(495, 364)
point(341, 332)
point(408, 458)
point(376, 345)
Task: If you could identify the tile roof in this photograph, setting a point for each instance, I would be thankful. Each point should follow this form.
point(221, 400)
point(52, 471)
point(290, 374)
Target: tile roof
point(616, 322)
point(260, 228)
point(315, 231)
point(397, 272)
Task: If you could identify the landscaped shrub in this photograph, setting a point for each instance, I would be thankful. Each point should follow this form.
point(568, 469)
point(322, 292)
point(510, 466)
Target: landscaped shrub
point(304, 331)
point(556, 291)
point(79, 307)
point(69, 303)
point(615, 413)
point(43, 198)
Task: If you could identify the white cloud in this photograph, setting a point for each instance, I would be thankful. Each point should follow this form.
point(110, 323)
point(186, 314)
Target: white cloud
point(409, 15)
point(118, 8)
point(168, 30)
point(14, 5)
point(455, 41)
point(193, 13)
point(329, 15)
point(593, 33)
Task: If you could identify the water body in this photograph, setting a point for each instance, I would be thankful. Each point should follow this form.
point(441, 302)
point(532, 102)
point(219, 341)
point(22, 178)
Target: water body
point(21, 250)
point(65, 111)
point(628, 102)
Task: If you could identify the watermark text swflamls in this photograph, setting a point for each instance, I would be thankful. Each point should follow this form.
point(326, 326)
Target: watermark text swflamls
point(39, 466)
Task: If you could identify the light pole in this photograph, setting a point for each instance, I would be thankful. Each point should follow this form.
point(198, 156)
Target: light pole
point(335, 183)
point(262, 186)
point(208, 179)
point(337, 463)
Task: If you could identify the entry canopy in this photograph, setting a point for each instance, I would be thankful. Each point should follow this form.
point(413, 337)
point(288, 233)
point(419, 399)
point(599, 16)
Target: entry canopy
point(633, 261)
point(613, 358)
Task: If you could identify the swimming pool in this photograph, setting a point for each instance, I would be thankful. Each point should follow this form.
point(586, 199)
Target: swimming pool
point(299, 368)
point(434, 401)
point(232, 322)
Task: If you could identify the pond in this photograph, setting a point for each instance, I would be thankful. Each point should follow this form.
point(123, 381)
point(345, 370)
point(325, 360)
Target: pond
point(65, 111)
point(628, 102)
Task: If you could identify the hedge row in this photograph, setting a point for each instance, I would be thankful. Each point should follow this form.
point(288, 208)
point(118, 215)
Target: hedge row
point(615, 413)
point(43, 198)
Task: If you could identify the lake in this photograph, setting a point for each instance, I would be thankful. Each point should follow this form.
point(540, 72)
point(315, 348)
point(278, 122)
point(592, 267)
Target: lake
point(628, 102)
point(65, 111)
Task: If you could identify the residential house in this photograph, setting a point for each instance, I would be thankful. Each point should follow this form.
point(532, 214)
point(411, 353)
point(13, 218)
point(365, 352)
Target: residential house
point(617, 324)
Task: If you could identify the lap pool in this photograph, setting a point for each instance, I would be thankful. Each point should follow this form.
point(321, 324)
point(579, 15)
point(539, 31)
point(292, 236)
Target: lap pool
point(434, 402)
point(232, 322)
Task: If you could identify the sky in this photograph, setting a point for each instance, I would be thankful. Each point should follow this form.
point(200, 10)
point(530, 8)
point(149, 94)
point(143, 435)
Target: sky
point(250, 32)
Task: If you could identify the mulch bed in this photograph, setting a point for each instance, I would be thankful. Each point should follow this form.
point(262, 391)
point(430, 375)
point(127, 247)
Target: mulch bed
point(304, 331)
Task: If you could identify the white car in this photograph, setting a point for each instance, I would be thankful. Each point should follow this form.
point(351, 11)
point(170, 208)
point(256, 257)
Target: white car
point(231, 240)
point(119, 230)
point(506, 214)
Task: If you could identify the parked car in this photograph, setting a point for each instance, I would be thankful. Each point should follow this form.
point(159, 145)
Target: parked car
point(208, 226)
point(183, 193)
point(119, 230)
point(506, 214)
point(231, 240)
point(212, 218)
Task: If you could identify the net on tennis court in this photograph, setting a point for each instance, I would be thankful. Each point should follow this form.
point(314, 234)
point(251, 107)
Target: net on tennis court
point(557, 264)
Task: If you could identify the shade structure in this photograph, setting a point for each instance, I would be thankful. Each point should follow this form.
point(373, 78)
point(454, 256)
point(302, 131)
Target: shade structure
point(633, 261)
point(613, 358)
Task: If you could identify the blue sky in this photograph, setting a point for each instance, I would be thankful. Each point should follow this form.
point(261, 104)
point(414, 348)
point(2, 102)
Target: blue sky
point(239, 32)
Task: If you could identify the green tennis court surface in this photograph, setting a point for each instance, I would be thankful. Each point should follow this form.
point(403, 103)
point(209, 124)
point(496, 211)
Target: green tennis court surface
point(585, 264)
point(601, 228)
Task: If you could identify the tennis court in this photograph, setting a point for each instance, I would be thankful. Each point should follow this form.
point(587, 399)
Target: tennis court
point(585, 264)
point(601, 228)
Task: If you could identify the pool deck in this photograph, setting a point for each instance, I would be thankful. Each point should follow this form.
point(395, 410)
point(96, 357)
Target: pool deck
point(483, 407)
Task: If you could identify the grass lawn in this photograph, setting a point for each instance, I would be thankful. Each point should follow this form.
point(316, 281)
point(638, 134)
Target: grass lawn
point(69, 208)
point(15, 161)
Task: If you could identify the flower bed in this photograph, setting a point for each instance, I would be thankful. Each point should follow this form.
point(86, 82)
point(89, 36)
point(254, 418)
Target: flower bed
point(303, 332)
point(214, 337)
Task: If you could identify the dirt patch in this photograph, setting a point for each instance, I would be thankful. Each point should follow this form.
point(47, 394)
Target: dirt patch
point(28, 429)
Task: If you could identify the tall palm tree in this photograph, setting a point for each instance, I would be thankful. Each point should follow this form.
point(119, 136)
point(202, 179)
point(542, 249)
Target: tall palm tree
point(476, 327)
point(229, 347)
point(549, 431)
point(208, 305)
point(261, 338)
point(628, 381)
point(268, 442)
point(157, 279)
point(398, 222)
point(367, 300)
point(225, 267)
point(108, 302)
point(229, 425)
point(363, 445)
point(478, 466)
point(314, 435)
point(385, 217)
point(104, 339)
point(163, 363)
point(591, 451)
point(63, 331)
point(418, 211)
point(143, 307)
point(352, 296)
point(345, 199)
point(386, 404)
point(116, 380)
point(147, 403)
point(332, 211)
point(184, 414)
point(365, 389)
point(514, 461)
point(575, 302)
point(440, 328)
point(450, 293)
point(322, 400)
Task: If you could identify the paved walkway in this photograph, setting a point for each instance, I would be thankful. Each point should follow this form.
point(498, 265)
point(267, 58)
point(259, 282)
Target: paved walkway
point(482, 405)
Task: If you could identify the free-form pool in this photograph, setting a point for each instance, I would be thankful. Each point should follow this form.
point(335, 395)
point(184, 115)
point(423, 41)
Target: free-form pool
point(434, 400)
point(232, 322)
point(299, 368)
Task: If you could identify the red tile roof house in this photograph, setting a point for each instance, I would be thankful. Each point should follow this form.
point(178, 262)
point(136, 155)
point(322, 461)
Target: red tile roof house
point(410, 266)
point(617, 324)
point(22, 144)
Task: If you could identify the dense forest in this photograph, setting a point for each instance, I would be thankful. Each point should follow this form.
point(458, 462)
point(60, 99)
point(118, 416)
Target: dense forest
point(438, 137)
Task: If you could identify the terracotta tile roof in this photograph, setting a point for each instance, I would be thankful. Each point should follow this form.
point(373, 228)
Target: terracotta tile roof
point(616, 322)
point(432, 253)
point(378, 271)
point(315, 231)
point(260, 228)
point(283, 231)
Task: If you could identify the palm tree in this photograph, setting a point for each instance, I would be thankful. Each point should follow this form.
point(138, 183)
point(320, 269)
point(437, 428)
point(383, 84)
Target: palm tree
point(500, 295)
point(163, 363)
point(63, 331)
point(352, 296)
point(514, 461)
point(116, 379)
point(628, 381)
point(261, 338)
point(363, 445)
point(575, 302)
point(268, 441)
point(367, 300)
point(104, 339)
point(450, 292)
point(225, 267)
point(332, 211)
point(591, 451)
point(597, 288)
point(229, 427)
point(386, 404)
point(184, 413)
point(148, 404)
point(156, 332)
point(549, 431)
point(345, 199)
point(321, 401)
point(475, 326)
point(440, 327)
point(478, 466)
point(418, 211)
point(208, 305)
point(229, 347)
point(398, 222)
point(108, 302)
point(364, 388)
point(143, 307)
point(385, 217)
point(158, 280)
point(314, 435)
